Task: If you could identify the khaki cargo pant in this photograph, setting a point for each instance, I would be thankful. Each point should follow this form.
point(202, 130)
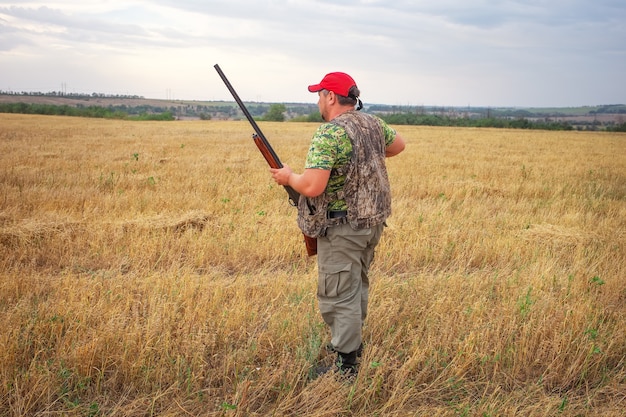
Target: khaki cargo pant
point(344, 257)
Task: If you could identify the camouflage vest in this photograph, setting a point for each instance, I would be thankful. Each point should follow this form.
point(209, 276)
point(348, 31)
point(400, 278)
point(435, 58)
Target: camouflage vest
point(366, 189)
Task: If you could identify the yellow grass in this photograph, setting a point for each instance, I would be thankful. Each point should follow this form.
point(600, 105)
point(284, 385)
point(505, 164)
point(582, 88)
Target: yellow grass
point(155, 269)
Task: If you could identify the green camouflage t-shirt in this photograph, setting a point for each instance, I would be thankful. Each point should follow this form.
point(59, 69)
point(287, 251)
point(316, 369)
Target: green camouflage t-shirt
point(331, 149)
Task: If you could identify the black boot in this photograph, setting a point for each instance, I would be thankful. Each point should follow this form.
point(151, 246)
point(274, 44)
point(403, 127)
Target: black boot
point(347, 363)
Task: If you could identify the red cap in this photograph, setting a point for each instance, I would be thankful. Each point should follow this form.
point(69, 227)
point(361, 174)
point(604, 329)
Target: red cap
point(337, 82)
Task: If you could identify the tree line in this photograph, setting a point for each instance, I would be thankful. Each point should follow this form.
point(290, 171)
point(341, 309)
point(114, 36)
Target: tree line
point(277, 112)
point(438, 120)
point(495, 122)
point(81, 111)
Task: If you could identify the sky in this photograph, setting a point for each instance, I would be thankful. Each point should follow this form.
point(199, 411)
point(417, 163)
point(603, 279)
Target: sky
point(497, 53)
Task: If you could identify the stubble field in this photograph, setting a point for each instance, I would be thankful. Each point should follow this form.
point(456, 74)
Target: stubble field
point(153, 268)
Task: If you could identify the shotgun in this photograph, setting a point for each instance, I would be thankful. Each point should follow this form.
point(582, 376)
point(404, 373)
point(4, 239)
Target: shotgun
point(268, 153)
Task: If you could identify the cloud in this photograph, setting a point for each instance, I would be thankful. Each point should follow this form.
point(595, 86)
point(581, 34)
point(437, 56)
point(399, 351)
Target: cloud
point(448, 52)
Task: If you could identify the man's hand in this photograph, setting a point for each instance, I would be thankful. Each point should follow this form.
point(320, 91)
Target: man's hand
point(281, 175)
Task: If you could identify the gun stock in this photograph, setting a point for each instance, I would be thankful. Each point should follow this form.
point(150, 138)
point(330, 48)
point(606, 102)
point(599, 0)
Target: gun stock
point(268, 153)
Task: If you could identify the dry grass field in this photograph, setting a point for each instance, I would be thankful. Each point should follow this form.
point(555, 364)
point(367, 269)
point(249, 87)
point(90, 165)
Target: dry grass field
point(154, 269)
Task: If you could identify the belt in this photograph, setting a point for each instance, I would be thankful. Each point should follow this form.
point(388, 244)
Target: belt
point(337, 214)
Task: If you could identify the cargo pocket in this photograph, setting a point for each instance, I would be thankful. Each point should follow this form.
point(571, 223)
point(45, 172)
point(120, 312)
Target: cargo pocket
point(333, 280)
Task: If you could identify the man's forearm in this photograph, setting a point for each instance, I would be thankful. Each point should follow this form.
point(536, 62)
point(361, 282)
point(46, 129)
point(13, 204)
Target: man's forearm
point(311, 183)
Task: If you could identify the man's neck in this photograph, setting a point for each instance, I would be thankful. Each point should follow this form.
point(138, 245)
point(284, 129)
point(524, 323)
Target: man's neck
point(339, 111)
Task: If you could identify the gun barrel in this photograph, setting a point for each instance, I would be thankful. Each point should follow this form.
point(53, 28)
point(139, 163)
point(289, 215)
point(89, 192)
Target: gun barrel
point(259, 138)
point(245, 111)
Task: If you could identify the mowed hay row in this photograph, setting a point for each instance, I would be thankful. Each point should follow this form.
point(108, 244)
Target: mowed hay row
point(152, 267)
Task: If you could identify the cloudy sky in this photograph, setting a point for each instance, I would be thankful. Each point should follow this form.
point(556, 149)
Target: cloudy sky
point(520, 53)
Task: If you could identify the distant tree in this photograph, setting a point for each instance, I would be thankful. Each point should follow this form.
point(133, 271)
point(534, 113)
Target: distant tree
point(315, 117)
point(276, 113)
point(618, 128)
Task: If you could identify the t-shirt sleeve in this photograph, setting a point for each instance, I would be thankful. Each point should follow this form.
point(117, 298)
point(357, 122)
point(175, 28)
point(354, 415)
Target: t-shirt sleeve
point(323, 149)
point(389, 133)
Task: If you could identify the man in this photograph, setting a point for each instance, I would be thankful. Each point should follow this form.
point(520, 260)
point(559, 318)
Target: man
point(345, 200)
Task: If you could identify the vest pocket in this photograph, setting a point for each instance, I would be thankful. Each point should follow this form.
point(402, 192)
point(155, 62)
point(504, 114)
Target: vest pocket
point(333, 280)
